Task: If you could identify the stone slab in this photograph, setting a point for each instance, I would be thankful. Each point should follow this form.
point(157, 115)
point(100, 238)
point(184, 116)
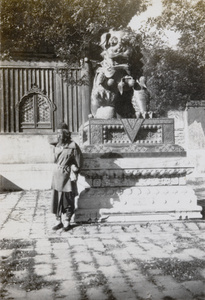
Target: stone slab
point(118, 131)
point(196, 124)
point(16, 177)
point(128, 189)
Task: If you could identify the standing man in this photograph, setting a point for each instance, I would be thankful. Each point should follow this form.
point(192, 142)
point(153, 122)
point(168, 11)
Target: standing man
point(68, 159)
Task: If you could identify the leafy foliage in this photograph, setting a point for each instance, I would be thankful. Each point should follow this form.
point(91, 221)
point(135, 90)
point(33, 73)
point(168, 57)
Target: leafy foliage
point(69, 28)
point(172, 80)
point(188, 17)
point(175, 75)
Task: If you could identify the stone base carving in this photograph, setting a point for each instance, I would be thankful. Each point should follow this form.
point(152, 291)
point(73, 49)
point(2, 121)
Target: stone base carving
point(131, 189)
point(127, 131)
point(137, 203)
point(133, 171)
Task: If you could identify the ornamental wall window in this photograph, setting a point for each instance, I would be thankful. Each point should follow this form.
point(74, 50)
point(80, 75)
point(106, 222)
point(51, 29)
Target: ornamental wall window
point(35, 111)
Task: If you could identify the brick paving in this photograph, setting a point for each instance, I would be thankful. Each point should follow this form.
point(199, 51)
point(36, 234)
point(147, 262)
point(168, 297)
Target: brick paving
point(143, 260)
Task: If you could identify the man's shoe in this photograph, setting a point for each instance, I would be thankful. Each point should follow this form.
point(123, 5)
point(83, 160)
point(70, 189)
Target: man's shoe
point(67, 228)
point(58, 226)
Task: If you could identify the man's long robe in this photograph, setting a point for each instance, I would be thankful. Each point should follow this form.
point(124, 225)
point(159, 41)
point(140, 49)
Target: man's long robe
point(67, 157)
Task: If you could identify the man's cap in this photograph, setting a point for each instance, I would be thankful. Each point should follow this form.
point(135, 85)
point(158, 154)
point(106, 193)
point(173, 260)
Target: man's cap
point(62, 126)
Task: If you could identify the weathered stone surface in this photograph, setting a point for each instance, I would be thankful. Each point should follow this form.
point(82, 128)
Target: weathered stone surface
point(196, 124)
point(179, 125)
point(125, 131)
point(25, 176)
point(130, 189)
point(195, 137)
point(25, 149)
point(132, 171)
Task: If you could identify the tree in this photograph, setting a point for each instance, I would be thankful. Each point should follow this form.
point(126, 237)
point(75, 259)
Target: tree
point(68, 28)
point(175, 75)
point(187, 17)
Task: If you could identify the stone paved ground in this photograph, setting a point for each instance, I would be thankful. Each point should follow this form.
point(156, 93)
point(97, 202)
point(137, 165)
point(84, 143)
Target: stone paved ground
point(154, 260)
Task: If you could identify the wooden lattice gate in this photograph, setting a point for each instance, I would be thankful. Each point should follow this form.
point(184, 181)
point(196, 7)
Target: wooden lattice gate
point(36, 96)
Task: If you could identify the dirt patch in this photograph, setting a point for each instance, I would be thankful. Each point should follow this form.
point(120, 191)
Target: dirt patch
point(180, 270)
point(21, 259)
point(14, 244)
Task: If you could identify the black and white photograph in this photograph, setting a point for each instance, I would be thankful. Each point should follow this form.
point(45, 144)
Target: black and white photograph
point(102, 150)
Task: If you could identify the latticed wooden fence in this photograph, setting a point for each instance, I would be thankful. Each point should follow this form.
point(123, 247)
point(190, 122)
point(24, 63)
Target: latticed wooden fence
point(36, 96)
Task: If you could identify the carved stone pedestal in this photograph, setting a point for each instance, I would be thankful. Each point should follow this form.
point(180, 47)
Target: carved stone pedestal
point(125, 182)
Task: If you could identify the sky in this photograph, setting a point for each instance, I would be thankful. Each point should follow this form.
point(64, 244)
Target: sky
point(154, 10)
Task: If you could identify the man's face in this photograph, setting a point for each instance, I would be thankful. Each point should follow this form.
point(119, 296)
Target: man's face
point(63, 136)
